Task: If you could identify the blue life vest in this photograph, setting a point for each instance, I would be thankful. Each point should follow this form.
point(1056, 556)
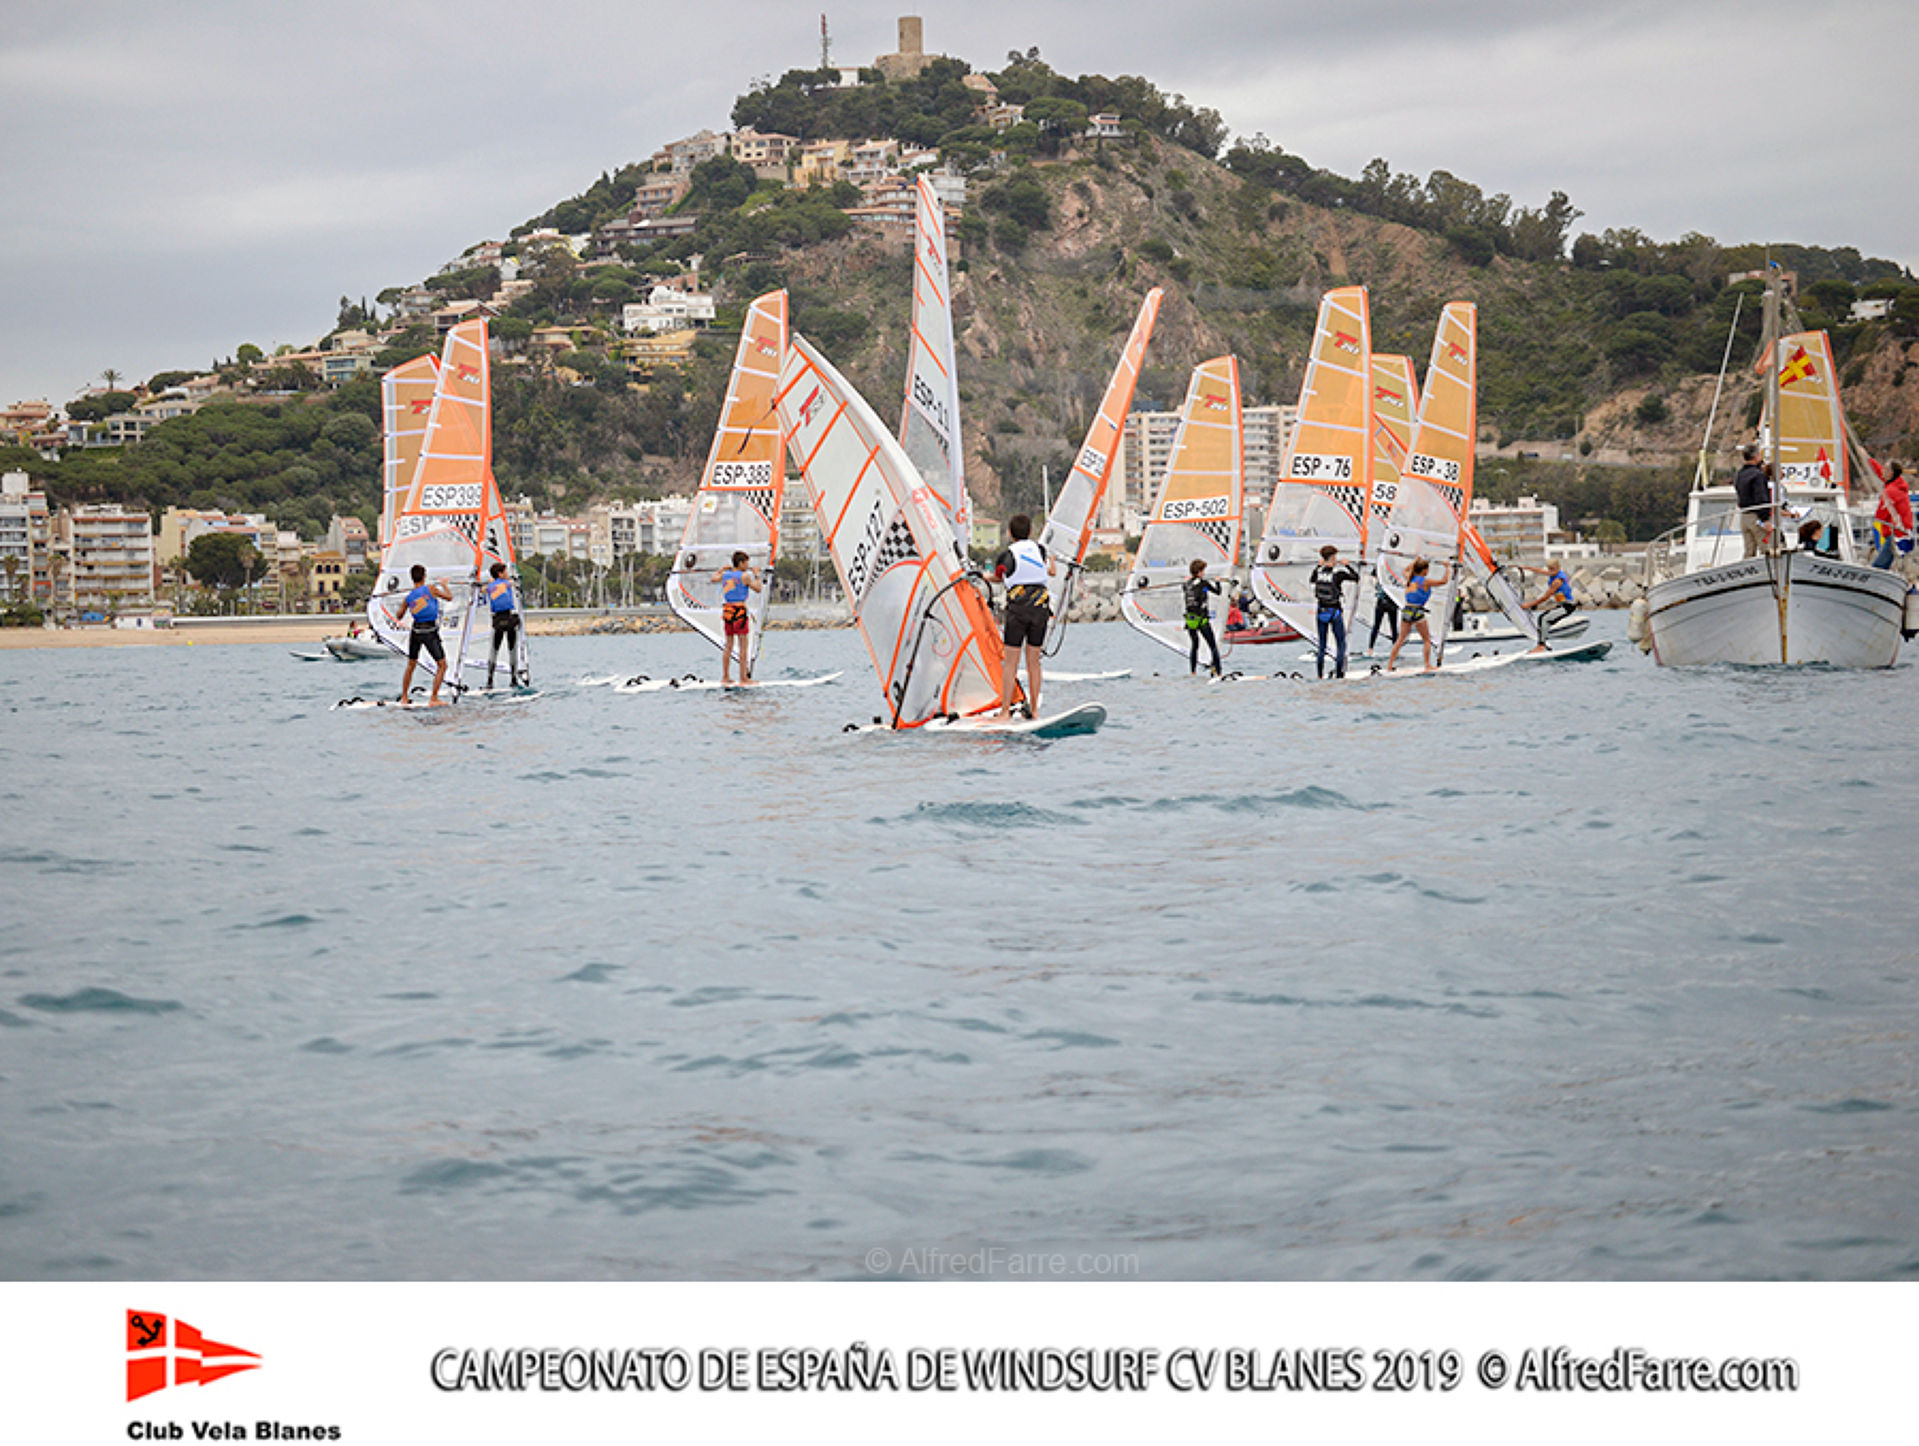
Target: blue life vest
point(499, 594)
point(429, 610)
point(735, 581)
point(1418, 593)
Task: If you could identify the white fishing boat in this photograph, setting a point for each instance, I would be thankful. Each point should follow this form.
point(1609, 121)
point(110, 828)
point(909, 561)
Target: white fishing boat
point(737, 508)
point(1709, 601)
point(449, 520)
point(1197, 516)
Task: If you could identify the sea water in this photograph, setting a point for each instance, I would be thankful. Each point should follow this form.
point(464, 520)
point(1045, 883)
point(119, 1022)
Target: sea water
point(1573, 972)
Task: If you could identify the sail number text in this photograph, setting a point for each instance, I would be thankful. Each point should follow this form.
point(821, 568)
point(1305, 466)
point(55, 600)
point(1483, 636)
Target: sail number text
point(1195, 509)
point(927, 400)
point(451, 497)
point(1319, 467)
point(1419, 464)
point(742, 474)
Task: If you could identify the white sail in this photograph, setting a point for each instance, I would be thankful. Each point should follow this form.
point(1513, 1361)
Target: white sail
point(1505, 583)
point(930, 424)
point(450, 519)
point(1069, 526)
point(738, 506)
point(1197, 516)
point(1325, 474)
point(1436, 485)
point(926, 624)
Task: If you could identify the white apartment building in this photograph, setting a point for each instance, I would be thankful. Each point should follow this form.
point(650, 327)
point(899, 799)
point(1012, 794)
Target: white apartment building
point(109, 558)
point(1521, 531)
point(26, 542)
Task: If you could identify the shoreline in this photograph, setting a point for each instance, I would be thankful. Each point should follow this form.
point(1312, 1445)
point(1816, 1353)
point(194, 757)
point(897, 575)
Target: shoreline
point(312, 630)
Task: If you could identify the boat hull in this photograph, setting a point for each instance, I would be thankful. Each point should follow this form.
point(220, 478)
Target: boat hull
point(1789, 608)
point(354, 650)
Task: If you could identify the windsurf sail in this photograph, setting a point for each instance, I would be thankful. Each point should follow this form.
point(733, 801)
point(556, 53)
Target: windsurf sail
point(450, 519)
point(1326, 470)
point(1395, 409)
point(406, 396)
point(738, 506)
point(1812, 427)
point(1198, 512)
point(1504, 582)
point(926, 623)
point(930, 424)
point(1069, 526)
point(1435, 487)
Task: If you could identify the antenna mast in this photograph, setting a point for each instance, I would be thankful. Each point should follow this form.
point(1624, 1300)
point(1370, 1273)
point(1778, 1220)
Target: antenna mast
point(826, 45)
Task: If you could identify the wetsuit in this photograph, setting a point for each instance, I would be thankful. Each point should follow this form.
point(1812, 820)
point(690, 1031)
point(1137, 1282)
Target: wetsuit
point(506, 628)
point(1199, 619)
point(425, 608)
point(1385, 610)
point(1028, 606)
point(1329, 592)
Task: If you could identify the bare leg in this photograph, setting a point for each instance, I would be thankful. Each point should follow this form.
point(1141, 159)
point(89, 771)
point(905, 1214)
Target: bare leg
point(1008, 668)
point(1032, 678)
point(439, 676)
point(746, 655)
point(1425, 646)
point(406, 679)
point(1405, 632)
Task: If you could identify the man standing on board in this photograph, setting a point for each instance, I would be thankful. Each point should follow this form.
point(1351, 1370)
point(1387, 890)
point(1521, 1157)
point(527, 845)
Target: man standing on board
point(1752, 488)
point(423, 606)
point(1329, 581)
point(1024, 567)
point(506, 624)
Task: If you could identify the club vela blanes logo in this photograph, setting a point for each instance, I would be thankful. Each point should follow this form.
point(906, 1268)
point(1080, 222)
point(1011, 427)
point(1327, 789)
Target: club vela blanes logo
point(163, 1351)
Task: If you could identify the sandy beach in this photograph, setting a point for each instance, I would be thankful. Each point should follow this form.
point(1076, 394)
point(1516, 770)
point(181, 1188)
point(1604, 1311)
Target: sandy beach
point(287, 631)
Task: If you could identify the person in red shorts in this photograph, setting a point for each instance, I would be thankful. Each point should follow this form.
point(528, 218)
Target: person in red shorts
point(736, 582)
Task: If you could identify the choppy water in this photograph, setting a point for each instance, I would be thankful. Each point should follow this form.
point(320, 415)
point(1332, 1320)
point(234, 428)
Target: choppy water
point(1586, 972)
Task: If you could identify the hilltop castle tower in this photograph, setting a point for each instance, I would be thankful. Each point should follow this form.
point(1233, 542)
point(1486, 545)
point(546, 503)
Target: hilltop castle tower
point(911, 58)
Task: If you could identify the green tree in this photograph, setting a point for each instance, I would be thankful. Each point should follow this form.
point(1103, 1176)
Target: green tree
point(223, 559)
point(247, 354)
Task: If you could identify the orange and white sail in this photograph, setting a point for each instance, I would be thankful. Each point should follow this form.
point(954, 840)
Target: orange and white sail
point(926, 624)
point(406, 396)
point(1325, 483)
point(450, 519)
point(930, 423)
point(1395, 410)
point(1198, 513)
point(1435, 487)
point(1812, 425)
point(738, 505)
point(1069, 526)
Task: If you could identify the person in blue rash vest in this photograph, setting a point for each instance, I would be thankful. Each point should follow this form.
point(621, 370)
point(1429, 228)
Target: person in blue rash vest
point(423, 606)
point(1024, 567)
point(1329, 581)
point(1419, 592)
point(501, 599)
point(1553, 605)
point(736, 618)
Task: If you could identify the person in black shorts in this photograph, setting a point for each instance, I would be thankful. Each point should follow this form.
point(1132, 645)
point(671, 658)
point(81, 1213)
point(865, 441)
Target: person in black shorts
point(423, 606)
point(1196, 593)
point(1024, 567)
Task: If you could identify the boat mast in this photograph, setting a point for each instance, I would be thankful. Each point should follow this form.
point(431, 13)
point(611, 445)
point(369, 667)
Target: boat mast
point(1701, 476)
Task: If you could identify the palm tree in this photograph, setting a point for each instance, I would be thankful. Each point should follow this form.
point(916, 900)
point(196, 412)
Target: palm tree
point(111, 378)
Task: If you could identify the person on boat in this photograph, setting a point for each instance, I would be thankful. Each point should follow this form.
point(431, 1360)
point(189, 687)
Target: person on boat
point(1419, 592)
point(735, 583)
point(503, 600)
point(423, 606)
point(1555, 604)
point(1892, 519)
point(1197, 591)
point(1329, 581)
point(1235, 616)
point(1819, 538)
point(1752, 488)
point(1024, 568)
point(1385, 610)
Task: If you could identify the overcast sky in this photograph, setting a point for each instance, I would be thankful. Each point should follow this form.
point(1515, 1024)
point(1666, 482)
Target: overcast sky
point(182, 178)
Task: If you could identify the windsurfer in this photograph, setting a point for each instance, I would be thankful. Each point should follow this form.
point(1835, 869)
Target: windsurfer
point(423, 606)
point(1419, 592)
point(1197, 591)
point(1329, 581)
point(1385, 610)
point(501, 599)
point(1555, 604)
point(736, 581)
point(1024, 566)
